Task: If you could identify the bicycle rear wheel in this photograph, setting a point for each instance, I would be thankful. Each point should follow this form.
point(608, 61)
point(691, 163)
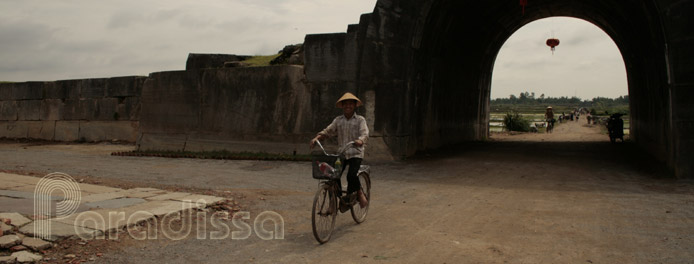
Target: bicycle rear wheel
point(324, 213)
point(358, 213)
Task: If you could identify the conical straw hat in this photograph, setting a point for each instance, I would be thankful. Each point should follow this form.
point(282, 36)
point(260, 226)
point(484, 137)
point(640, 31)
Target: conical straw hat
point(348, 96)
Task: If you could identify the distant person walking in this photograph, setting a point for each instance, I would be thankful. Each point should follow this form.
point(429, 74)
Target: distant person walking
point(549, 117)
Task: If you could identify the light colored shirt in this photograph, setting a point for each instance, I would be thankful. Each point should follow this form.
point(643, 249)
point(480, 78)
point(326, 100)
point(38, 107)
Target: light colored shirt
point(348, 130)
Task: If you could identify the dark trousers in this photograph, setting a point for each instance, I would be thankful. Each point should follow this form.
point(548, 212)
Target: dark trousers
point(353, 183)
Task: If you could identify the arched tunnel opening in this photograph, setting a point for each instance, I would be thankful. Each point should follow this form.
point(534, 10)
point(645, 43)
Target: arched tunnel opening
point(439, 86)
point(585, 83)
point(425, 69)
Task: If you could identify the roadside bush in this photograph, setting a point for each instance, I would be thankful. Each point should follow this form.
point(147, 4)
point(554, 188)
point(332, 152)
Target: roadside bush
point(515, 122)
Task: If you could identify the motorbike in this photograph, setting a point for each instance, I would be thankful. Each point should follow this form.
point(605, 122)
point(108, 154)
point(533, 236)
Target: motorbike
point(615, 127)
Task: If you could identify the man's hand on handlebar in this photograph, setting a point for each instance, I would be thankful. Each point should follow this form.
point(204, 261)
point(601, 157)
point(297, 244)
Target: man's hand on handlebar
point(313, 142)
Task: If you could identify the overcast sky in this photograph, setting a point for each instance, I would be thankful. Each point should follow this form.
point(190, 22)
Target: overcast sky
point(69, 39)
point(587, 63)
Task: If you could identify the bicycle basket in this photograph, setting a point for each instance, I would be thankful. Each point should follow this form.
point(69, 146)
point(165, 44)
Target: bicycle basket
point(316, 159)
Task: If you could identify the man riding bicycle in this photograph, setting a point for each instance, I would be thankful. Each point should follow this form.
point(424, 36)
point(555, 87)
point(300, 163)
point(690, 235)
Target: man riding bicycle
point(349, 127)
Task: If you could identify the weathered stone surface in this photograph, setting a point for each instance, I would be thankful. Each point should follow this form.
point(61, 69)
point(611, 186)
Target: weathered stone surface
point(126, 86)
point(102, 197)
point(142, 192)
point(170, 102)
point(7, 185)
point(41, 129)
point(106, 109)
point(65, 89)
point(27, 257)
point(5, 229)
point(52, 109)
point(16, 219)
point(80, 109)
point(67, 130)
point(129, 109)
point(8, 110)
point(13, 129)
point(29, 110)
point(35, 243)
point(126, 216)
point(9, 241)
point(108, 130)
point(8, 259)
point(168, 196)
point(22, 91)
point(57, 230)
point(204, 61)
point(93, 88)
point(97, 189)
point(331, 57)
point(115, 203)
point(28, 180)
point(196, 198)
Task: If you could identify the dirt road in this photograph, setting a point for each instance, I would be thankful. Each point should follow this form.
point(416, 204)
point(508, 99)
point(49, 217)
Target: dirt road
point(572, 198)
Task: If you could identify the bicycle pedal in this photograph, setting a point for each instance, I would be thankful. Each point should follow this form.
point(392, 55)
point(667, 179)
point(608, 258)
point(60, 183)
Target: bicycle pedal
point(344, 207)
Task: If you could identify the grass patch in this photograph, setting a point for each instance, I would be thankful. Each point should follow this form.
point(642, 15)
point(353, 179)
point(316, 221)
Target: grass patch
point(258, 61)
point(5, 82)
point(227, 155)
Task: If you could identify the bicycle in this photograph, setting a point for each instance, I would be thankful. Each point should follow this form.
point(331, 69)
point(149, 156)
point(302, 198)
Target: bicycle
point(326, 202)
point(550, 125)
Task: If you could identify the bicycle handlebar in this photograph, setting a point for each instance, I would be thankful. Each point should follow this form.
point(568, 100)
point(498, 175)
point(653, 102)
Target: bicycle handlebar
point(340, 151)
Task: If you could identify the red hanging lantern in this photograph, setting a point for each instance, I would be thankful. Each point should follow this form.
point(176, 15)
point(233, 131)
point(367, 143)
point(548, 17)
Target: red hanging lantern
point(552, 42)
point(523, 3)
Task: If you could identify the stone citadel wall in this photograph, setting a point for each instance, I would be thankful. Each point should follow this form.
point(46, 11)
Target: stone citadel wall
point(72, 110)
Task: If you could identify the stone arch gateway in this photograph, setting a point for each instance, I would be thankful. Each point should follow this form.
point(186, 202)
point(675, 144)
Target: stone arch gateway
point(425, 67)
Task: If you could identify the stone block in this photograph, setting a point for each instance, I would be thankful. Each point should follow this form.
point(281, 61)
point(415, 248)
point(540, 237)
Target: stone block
point(129, 109)
point(115, 203)
point(8, 259)
point(97, 189)
point(128, 86)
point(65, 89)
point(9, 241)
point(79, 109)
point(170, 102)
point(106, 109)
point(27, 257)
point(205, 61)
point(5, 91)
point(52, 109)
point(67, 130)
point(22, 91)
point(57, 230)
point(35, 243)
point(13, 129)
point(16, 219)
point(108, 130)
point(93, 88)
point(8, 110)
point(330, 57)
point(101, 197)
point(41, 129)
point(29, 110)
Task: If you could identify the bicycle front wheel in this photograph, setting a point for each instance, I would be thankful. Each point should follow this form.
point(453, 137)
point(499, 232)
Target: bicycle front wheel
point(324, 213)
point(358, 213)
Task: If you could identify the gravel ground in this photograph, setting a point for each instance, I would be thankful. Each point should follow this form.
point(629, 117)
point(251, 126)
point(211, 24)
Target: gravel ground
point(514, 199)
